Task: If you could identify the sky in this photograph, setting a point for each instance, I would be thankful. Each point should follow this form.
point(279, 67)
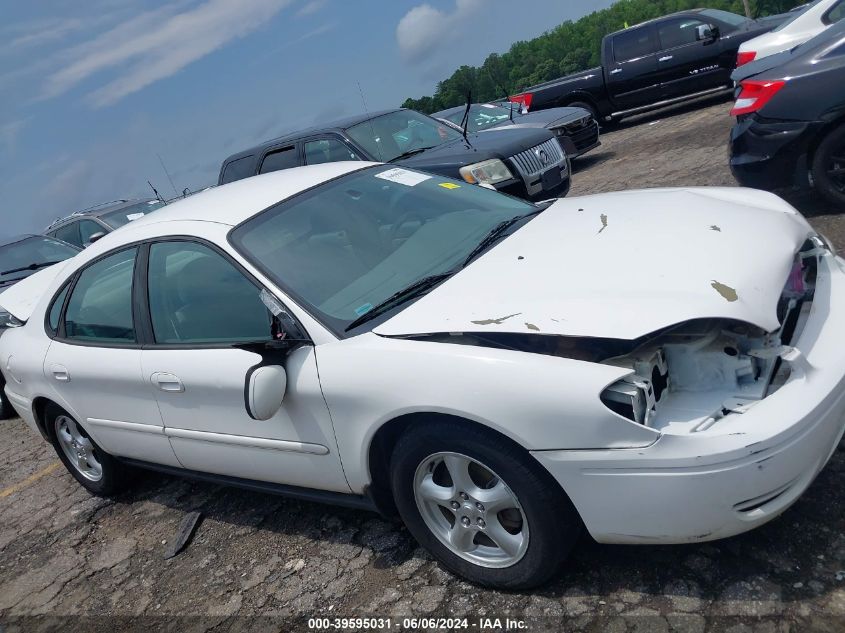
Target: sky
point(98, 97)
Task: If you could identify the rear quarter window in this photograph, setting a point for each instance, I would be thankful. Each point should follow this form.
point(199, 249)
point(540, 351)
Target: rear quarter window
point(238, 169)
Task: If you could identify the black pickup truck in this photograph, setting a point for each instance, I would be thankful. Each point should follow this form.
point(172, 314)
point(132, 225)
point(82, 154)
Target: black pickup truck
point(528, 163)
point(654, 64)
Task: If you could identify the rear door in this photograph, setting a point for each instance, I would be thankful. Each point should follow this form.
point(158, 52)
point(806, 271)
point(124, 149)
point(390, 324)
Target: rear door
point(631, 71)
point(94, 361)
point(685, 64)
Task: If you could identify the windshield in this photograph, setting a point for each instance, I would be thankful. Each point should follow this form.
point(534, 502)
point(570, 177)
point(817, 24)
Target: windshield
point(484, 116)
point(387, 137)
point(344, 247)
point(116, 219)
point(31, 252)
point(726, 17)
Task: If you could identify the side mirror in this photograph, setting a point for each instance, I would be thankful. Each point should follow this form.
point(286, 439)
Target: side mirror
point(265, 390)
point(96, 236)
point(707, 33)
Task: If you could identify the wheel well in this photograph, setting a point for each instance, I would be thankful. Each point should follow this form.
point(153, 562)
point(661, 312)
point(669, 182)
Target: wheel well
point(385, 439)
point(578, 98)
point(39, 406)
point(820, 136)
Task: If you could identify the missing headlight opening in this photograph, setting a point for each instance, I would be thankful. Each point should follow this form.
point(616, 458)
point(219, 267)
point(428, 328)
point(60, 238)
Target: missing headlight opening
point(687, 378)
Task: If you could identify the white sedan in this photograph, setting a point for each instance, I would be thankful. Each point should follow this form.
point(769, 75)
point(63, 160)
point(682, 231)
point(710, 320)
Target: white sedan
point(660, 366)
point(820, 15)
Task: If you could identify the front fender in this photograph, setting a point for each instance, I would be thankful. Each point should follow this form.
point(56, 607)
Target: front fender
point(541, 402)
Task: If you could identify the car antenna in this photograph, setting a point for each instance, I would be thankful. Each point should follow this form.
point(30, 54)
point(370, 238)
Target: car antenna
point(158, 195)
point(465, 120)
point(167, 174)
point(370, 121)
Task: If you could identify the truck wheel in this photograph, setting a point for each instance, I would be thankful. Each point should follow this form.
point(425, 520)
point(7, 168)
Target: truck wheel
point(97, 471)
point(586, 106)
point(828, 167)
point(482, 506)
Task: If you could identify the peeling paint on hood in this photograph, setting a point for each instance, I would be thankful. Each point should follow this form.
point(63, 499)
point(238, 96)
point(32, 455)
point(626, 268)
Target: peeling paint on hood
point(659, 263)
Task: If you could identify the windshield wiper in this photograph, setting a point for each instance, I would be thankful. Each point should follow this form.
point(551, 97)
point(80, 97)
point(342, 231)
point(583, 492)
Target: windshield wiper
point(411, 152)
point(497, 233)
point(30, 267)
point(409, 292)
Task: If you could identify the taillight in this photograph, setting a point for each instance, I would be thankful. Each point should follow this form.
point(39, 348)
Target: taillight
point(745, 57)
point(525, 99)
point(754, 95)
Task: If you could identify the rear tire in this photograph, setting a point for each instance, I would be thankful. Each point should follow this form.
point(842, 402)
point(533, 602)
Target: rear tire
point(482, 505)
point(828, 168)
point(97, 471)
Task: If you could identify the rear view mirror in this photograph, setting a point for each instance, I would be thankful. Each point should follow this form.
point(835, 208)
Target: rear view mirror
point(96, 236)
point(265, 390)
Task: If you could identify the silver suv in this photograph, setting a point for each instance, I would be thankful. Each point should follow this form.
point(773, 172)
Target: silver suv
point(83, 228)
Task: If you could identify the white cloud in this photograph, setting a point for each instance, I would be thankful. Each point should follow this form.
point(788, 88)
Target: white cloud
point(157, 44)
point(9, 134)
point(423, 29)
point(312, 7)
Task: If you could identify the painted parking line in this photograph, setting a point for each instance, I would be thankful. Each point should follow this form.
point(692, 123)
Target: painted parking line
point(29, 480)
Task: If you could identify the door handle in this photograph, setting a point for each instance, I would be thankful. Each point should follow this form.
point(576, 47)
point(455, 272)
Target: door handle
point(167, 382)
point(60, 373)
point(615, 71)
point(666, 58)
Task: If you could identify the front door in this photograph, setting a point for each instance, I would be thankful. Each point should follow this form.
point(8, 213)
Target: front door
point(685, 64)
point(94, 361)
point(210, 328)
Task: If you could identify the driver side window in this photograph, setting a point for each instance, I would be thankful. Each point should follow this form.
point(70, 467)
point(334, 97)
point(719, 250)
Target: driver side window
point(198, 297)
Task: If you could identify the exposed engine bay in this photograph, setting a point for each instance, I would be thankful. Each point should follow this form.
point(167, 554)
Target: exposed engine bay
point(691, 376)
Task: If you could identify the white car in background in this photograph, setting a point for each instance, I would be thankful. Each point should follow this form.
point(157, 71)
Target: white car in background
point(812, 21)
point(660, 366)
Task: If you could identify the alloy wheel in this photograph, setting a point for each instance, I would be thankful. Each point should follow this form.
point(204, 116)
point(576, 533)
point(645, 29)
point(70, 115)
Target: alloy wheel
point(78, 448)
point(471, 510)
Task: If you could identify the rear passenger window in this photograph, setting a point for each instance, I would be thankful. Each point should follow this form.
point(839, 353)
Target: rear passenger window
point(100, 307)
point(238, 170)
point(280, 159)
point(632, 44)
point(835, 14)
point(69, 233)
point(327, 150)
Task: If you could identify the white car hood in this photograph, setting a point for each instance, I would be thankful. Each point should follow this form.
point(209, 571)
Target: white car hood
point(623, 265)
point(20, 300)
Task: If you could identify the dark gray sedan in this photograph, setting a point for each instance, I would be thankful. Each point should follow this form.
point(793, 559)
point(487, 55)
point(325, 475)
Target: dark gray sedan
point(575, 128)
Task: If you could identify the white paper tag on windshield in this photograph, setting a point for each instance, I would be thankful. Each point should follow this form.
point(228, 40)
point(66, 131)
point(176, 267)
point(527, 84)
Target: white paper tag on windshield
point(134, 216)
point(403, 176)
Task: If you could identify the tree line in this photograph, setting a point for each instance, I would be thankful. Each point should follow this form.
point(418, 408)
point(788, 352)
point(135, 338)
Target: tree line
point(568, 48)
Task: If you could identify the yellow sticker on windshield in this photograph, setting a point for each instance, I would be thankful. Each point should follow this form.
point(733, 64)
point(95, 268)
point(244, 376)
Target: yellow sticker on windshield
point(449, 185)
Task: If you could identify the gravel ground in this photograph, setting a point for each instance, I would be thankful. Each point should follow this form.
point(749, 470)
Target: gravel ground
point(263, 562)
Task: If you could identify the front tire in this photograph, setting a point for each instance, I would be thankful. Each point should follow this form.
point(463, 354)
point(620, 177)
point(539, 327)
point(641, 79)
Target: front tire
point(97, 471)
point(482, 506)
point(828, 168)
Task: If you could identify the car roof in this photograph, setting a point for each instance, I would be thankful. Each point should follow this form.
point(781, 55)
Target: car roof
point(99, 210)
point(238, 201)
point(336, 125)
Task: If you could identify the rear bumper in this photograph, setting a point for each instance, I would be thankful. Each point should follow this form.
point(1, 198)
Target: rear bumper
point(771, 155)
point(23, 406)
point(737, 475)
